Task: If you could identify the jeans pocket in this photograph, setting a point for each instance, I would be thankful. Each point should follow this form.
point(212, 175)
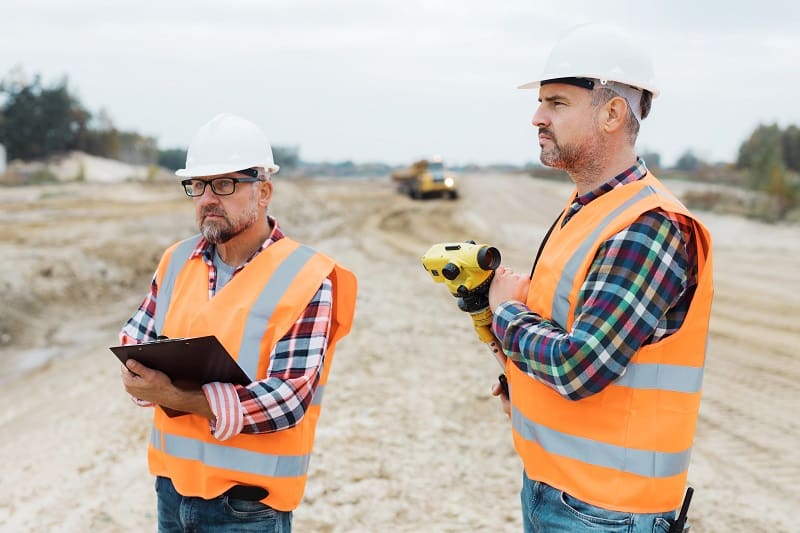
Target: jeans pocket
point(592, 515)
point(661, 525)
point(247, 509)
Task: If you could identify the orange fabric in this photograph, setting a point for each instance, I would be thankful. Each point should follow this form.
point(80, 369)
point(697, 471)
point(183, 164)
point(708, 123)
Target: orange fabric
point(656, 420)
point(191, 313)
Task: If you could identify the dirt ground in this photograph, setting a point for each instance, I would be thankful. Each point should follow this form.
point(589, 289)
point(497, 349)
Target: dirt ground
point(410, 438)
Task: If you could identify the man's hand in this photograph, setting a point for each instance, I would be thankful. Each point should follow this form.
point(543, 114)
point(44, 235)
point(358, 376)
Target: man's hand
point(145, 383)
point(506, 285)
point(153, 386)
point(497, 390)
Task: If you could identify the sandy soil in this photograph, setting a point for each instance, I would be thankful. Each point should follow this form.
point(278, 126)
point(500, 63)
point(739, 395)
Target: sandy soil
point(410, 438)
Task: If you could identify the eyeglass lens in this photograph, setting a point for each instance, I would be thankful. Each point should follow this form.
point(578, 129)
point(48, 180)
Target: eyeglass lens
point(220, 186)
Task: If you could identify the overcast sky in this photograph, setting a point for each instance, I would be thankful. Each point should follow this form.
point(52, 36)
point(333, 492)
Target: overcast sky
point(393, 81)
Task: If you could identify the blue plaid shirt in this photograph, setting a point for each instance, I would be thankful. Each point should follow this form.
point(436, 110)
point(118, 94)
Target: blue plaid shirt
point(637, 292)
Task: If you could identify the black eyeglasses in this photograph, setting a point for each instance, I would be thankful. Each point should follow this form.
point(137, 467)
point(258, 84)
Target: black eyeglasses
point(219, 186)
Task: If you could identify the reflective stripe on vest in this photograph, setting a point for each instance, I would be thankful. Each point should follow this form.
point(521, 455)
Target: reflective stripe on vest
point(318, 393)
point(237, 459)
point(565, 283)
point(179, 256)
point(273, 291)
point(641, 462)
point(675, 378)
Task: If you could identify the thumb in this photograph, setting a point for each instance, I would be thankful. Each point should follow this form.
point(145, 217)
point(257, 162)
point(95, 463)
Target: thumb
point(134, 366)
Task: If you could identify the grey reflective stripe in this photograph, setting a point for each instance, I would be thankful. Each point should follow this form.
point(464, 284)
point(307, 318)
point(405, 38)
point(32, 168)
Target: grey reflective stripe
point(178, 258)
point(675, 378)
point(264, 306)
point(641, 462)
point(215, 455)
point(155, 438)
point(317, 399)
point(566, 281)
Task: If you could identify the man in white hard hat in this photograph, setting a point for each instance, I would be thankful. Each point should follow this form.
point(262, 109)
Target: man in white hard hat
point(606, 338)
point(238, 456)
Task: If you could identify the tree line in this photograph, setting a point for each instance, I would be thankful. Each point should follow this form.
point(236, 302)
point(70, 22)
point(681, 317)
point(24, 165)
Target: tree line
point(38, 121)
point(771, 158)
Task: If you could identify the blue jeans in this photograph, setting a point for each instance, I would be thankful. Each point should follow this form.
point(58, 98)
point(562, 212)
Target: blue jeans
point(180, 514)
point(546, 509)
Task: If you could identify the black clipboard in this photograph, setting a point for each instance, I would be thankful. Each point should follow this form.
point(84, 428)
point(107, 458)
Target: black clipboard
point(196, 360)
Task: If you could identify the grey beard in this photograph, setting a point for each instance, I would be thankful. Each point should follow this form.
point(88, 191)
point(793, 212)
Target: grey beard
point(574, 158)
point(216, 233)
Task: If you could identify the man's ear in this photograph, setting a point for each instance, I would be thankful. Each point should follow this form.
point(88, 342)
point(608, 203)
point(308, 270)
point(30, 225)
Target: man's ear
point(265, 192)
point(615, 114)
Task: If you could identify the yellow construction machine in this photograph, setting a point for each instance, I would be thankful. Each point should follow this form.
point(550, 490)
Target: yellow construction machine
point(426, 179)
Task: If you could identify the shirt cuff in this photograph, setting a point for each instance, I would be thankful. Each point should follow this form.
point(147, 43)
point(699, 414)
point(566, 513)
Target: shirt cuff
point(224, 403)
point(141, 403)
point(504, 314)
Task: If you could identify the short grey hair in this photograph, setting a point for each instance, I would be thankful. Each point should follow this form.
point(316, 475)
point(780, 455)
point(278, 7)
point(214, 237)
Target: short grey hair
point(602, 95)
point(263, 174)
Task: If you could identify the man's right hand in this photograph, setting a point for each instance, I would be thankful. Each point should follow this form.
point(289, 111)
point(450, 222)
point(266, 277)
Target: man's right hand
point(497, 390)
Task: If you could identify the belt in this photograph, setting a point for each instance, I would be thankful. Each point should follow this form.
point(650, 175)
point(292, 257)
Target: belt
point(246, 492)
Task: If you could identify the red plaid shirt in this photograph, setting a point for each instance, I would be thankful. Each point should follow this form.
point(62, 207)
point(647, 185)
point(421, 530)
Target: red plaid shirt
point(278, 401)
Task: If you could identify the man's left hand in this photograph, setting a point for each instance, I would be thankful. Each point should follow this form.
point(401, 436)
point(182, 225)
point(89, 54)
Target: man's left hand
point(507, 286)
point(505, 403)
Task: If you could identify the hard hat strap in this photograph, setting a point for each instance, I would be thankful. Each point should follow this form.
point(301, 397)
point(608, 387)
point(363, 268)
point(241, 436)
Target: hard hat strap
point(632, 95)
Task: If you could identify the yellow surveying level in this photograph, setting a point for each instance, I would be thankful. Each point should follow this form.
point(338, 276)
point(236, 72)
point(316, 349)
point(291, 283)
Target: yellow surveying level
point(467, 270)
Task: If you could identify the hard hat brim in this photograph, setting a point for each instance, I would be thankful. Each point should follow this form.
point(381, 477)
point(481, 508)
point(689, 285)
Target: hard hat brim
point(538, 83)
point(214, 170)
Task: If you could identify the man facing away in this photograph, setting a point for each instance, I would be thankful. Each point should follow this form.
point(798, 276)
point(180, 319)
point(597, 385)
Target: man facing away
point(238, 460)
point(606, 339)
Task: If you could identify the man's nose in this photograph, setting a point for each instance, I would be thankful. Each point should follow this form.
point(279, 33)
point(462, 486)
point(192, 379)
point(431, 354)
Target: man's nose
point(539, 119)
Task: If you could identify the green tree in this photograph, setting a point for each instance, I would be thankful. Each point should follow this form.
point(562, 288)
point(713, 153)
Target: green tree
point(651, 159)
point(689, 162)
point(172, 158)
point(38, 121)
point(287, 157)
point(762, 156)
point(791, 148)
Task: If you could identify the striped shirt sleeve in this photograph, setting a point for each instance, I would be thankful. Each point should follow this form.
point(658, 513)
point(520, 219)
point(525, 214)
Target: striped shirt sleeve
point(637, 276)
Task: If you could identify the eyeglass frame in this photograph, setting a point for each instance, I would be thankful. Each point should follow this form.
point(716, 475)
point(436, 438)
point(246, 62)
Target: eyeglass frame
point(188, 182)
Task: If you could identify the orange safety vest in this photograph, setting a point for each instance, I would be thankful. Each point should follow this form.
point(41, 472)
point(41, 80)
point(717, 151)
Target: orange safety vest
point(627, 447)
point(248, 316)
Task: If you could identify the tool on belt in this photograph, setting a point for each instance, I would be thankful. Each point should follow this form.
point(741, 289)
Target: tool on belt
point(679, 525)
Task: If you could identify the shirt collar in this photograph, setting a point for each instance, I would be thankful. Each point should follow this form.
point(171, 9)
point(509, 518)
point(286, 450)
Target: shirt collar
point(634, 173)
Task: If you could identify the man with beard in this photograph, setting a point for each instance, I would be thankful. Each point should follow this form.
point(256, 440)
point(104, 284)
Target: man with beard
point(238, 459)
point(606, 338)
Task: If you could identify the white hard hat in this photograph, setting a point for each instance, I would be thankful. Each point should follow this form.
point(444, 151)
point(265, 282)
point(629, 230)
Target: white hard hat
point(227, 143)
point(602, 52)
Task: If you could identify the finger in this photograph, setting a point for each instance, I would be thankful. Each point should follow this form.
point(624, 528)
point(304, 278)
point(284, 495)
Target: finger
point(135, 368)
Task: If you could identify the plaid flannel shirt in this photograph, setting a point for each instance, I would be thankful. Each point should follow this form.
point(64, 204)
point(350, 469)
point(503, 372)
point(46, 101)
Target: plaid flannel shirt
point(637, 292)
